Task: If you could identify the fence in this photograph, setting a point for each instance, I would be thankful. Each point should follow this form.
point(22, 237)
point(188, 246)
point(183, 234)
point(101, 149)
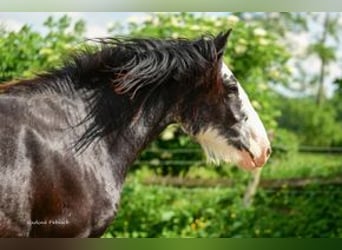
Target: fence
point(158, 161)
point(177, 181)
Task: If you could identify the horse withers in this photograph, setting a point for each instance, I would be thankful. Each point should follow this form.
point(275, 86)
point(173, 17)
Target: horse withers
point(68, 137)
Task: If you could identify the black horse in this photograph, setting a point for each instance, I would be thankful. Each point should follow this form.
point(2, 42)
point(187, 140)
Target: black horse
point(68, 137)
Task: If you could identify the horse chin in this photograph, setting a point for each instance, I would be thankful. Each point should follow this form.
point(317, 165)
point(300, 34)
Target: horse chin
point(242, 159)
point(246, 161)
point(250, 162)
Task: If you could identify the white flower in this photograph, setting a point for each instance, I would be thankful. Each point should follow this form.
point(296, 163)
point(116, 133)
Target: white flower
point(256, 105)
point(262, 86)
point(247, 16)
point(240, 49)
point(175, 35)
point(168, 133)
point(148, 18)
point(290, 68)
point(217, 23)
point(45, 51)
point(263, 41)
point(232, 19)
point(133, 19)
point(242, 41)
point(174, 21)
point(155, 21)
point(274, 74)
point(259, 32)
point(274, 15)
point(195, 27)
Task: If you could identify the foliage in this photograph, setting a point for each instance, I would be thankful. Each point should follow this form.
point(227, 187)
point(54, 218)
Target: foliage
point(336, 102)
point(338, 92)
point(170, 212)
point(284, 143)
point(167, 212)
point(314, 126)
point(27, 52)
point(321, 32)
point(326, 53)
point(302, 213)
point(277, 22)
point(303, 165)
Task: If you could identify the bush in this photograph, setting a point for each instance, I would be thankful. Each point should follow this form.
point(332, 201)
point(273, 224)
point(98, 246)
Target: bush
point(26, 52)
point(314, 126)
point(284, 143)
point(155, 211)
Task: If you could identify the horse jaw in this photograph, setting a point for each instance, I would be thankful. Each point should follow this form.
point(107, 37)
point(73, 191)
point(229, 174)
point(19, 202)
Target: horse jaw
point(217, 149)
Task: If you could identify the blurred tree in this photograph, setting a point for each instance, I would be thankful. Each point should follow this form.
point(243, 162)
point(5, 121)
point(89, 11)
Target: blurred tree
point(278, 22)
point(336, 103)
point(338, 91)
point(26, 52)
point(314, 126)
point(325, 52)
point(321, 31)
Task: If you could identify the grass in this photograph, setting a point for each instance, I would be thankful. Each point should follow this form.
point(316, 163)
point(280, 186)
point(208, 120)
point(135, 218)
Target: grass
point(160, 211)
point(303, 165)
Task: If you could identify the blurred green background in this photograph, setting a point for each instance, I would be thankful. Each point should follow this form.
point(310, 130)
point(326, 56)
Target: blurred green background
point(290, 65)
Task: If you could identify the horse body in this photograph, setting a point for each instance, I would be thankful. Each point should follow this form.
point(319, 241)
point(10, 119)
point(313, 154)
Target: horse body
point(41, 162)
point(81, 200)
point(68, 137)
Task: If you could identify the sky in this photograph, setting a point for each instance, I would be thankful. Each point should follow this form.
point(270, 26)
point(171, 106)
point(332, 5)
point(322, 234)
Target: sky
point(97, 24)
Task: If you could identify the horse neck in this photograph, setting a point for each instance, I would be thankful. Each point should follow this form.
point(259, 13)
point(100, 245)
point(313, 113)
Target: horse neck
point(141, 132)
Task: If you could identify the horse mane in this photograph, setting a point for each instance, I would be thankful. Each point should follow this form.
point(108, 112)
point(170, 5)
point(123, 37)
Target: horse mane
point(124, 74)
point(134, 63)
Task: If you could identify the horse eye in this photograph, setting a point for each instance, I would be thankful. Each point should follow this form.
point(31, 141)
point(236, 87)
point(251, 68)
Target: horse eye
point(232, 88)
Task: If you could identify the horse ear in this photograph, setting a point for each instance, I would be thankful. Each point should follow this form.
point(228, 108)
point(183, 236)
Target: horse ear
point(220, 42)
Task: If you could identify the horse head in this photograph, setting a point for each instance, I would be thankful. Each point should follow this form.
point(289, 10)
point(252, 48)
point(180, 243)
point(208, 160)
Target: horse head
point(220, 116)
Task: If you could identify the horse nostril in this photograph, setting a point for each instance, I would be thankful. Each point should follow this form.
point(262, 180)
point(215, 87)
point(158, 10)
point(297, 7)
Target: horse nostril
point(268, 152)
